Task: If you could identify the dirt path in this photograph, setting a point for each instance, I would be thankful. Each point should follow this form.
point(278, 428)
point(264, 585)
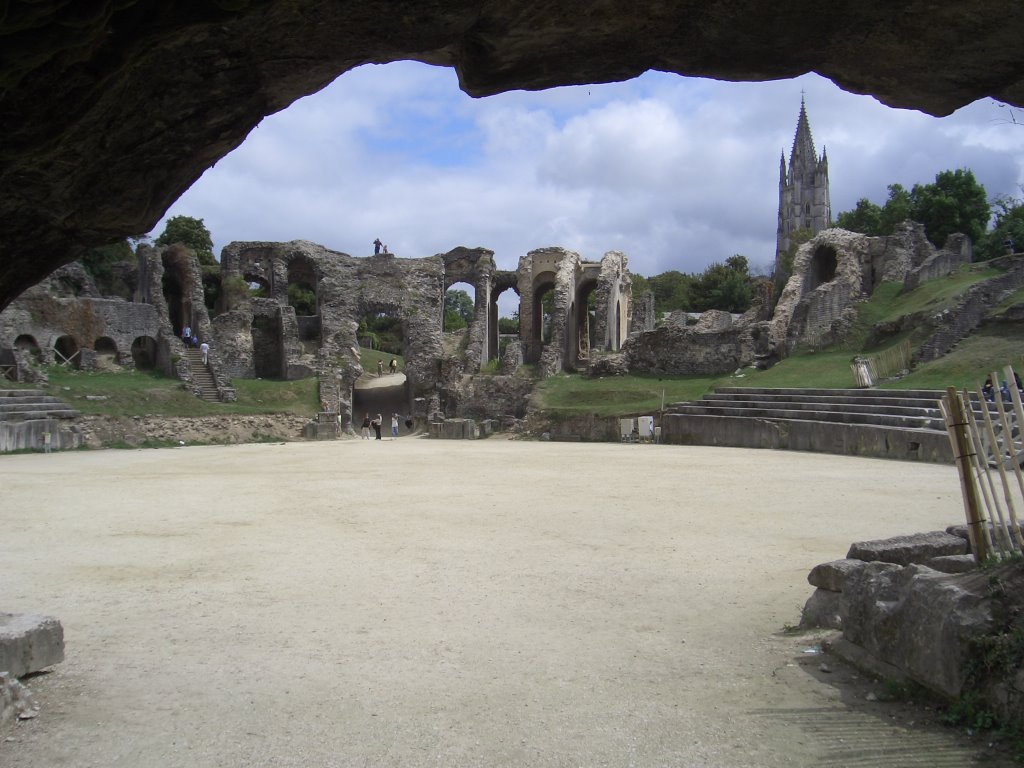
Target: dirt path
point(440, 603)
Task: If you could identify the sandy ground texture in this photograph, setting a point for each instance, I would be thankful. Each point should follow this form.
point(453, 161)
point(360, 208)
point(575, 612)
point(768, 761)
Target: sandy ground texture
point(440, 603)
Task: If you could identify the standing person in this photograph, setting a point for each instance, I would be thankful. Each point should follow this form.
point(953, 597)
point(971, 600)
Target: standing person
point(186, 335)
point(394, 425)
point(380, 367)
point(376, 246)
point(47, 440)
point(377, 424)
point(393, 365)
point(205, 349)
point(364, 433)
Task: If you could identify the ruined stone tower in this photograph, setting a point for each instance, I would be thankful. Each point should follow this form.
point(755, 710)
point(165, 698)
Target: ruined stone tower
point(803, 191)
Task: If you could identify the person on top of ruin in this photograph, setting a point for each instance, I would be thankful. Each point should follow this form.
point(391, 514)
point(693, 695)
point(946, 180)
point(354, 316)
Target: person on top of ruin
point(385, 248)
point(393, 366)
point(376, 246)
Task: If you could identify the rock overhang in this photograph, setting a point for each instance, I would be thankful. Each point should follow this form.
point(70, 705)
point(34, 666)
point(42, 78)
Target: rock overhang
point(109, 111)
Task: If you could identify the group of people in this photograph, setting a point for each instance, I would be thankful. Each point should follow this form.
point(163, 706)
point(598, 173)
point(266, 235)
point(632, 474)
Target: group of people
point(392, 367)
point(989, 389)
point(377, 423)
point(189, 338)
point(377, 246)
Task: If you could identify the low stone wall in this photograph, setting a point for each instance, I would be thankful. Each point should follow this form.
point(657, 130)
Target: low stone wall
point(104, 431)
point(817, 436)
point(917, 608)
point(28, 435)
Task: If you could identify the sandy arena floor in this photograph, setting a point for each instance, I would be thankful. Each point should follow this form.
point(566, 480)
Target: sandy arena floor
point(436, 603)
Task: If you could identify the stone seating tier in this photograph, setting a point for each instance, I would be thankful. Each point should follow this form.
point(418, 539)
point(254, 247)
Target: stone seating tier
point(904, 424)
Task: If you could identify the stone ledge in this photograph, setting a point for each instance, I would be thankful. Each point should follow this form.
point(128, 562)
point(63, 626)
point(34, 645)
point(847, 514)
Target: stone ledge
point(29, 643)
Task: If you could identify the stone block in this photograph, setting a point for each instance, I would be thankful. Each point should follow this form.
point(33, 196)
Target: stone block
point(822, 610)
point(917, 619)
point(29, 642)
point(904, 550)
point(832, 576)
point(953, 563)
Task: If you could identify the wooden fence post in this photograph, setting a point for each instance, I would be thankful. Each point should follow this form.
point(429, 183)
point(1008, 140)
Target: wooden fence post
point(964, 451)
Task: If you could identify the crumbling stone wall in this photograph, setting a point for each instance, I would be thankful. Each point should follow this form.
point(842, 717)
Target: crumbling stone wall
point(712, 346)
point(837, 269)
point(52, 309)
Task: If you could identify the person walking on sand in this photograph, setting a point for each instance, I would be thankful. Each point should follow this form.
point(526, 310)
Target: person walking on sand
point(377, 424)
point(394, 425)
point(365, 431)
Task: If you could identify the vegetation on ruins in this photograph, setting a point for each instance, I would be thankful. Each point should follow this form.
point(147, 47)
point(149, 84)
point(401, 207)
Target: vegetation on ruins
point(150, 393)
point(458, 309)
point(726, 286)
point(192, 233)
point(955, 202)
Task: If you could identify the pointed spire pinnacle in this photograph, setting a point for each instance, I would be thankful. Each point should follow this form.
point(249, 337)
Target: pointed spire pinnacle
point(803, 143)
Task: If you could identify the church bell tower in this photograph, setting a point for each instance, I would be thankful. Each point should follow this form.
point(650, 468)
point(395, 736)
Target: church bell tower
point(803, 191)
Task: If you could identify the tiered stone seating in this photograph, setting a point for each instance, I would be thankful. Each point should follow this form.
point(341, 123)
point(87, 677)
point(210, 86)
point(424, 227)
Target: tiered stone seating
point(27, 416)
point(29, 404)
point(905, 424)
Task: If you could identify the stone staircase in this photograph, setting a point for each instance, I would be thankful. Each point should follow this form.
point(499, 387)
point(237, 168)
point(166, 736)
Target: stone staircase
point(33, 404)
point(202, 376)
point(28, 416)
point(904, 424)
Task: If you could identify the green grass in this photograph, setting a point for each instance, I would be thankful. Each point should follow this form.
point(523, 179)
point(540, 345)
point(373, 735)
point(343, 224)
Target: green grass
point(614, 395)
point(368, 359)
point(970, 361)
point(138, 393)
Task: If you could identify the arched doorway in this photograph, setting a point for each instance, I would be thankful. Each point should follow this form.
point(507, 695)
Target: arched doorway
point(66, 352)
point(144, 353)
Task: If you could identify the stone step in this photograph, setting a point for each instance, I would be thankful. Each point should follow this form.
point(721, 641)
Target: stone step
point(837, 416)
point(52, 413)
point(893, 409)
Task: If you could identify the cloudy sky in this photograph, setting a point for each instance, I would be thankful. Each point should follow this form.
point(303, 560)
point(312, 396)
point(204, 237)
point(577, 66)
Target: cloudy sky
point(675, 172)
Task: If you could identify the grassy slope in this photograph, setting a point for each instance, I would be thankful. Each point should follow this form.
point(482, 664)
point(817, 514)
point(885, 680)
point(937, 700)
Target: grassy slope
point(973, 358)
point(136, 393)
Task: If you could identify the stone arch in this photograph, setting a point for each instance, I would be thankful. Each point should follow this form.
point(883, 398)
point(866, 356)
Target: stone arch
point(542, 284)
point(213, 293)
point(66, 351)
point(28, 343)
point(303, 276)
point(582, 322)
point(144, 353)
point(503, 281)
point(174, 286)
point(823, 266)
point(267, 345)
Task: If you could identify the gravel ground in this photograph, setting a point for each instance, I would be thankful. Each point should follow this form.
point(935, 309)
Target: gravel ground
point(440, 603)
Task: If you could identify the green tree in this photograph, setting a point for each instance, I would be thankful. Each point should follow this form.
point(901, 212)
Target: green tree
point(866, 218)
point(509, 325)
point(302, 299)
point(458, 309)
point(898, 208)
point(191, 233)
point(956, 202)
point(724, 286)
point(1007, 233)
point(672, 291)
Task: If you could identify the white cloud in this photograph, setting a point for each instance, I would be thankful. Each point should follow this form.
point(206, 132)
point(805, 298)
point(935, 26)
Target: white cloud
point(675, 172)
